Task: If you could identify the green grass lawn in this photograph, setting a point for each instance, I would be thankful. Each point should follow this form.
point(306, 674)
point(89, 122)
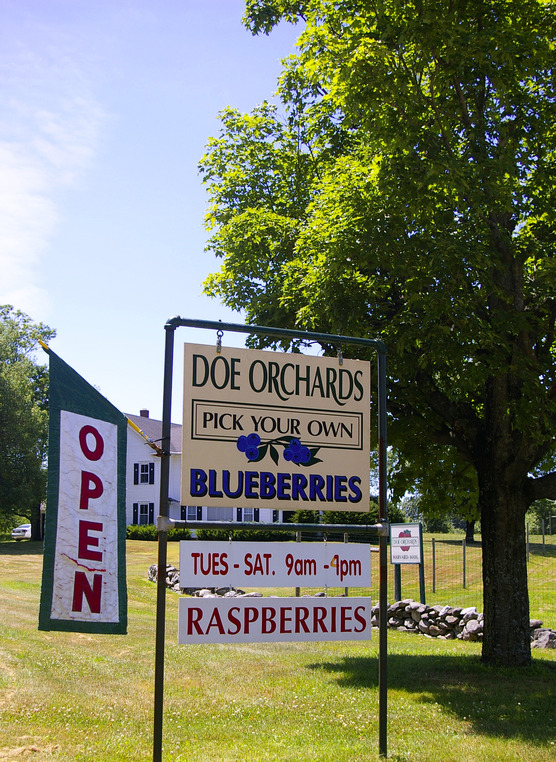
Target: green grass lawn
point(68, 696)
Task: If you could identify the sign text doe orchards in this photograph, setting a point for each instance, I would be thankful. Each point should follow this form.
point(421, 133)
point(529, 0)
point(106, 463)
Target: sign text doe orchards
point(267, 429)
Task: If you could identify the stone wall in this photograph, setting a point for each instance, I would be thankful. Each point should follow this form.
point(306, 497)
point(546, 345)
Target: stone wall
point(445, 622)
point(449, 622)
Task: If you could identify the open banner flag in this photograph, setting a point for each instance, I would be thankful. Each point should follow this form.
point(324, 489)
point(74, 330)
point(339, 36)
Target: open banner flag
point(84, 584)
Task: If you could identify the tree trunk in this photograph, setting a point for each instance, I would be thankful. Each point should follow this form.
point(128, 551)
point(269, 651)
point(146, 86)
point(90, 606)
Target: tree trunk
point(506, 639)
point(470, 531)
point(36, 523)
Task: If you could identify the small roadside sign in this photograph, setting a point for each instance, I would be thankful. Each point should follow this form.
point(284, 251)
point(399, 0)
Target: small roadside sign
point(405, 543)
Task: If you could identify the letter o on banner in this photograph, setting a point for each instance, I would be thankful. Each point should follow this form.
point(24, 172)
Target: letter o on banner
point(98, 451)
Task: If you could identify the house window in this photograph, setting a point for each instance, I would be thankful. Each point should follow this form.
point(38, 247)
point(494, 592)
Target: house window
point(249, 514)
point(143, 473)
point(192, 513)
point(143, 513)
point(220, 514)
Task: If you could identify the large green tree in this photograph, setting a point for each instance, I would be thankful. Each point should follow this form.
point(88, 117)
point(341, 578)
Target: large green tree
point(23, 417)
point(409, 193)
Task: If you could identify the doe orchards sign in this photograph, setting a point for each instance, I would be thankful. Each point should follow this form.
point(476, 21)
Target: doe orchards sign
point(269, 429)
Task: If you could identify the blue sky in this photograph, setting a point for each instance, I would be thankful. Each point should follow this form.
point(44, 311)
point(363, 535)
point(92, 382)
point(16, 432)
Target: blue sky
point(106, 107)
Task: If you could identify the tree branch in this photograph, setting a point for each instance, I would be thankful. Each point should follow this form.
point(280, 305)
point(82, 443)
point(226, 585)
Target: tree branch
point(542, 487)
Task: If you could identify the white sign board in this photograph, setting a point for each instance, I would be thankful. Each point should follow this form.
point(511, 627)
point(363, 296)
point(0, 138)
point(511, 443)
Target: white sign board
point(275, 430)
point(259, 620)
point(274, 564)
point(405, 543)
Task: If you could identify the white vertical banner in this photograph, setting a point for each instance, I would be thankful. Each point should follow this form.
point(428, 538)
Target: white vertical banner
point(83, 585)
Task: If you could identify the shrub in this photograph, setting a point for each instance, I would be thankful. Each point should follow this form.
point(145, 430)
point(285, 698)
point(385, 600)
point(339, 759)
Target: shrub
point(260, 535)
point(150, 532)
point(179, 533)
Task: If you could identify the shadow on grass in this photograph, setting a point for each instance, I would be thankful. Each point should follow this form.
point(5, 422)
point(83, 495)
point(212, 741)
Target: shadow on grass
point(23, 548)
point(510, 703)
point(538, 549)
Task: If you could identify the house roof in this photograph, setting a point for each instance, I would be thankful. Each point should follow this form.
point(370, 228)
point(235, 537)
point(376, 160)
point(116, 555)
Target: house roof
point(152, 429)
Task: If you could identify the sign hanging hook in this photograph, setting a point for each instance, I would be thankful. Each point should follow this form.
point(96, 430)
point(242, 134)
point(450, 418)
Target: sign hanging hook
point(340, 356)
point(219, 334)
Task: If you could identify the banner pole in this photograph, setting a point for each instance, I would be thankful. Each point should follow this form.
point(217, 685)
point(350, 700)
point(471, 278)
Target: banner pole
point(163, 544)
point(383, 559)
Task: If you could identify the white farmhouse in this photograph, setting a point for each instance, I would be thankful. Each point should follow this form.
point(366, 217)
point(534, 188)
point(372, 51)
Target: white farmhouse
point(144, 436)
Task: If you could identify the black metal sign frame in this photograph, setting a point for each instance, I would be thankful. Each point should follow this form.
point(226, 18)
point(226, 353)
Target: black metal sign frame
point(164, 523)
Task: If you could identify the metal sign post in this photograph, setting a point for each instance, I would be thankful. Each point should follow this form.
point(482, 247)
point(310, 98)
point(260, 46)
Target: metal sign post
point(381, 529)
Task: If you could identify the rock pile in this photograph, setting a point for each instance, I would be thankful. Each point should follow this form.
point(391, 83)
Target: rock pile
point(446, 622)
point(173, 583)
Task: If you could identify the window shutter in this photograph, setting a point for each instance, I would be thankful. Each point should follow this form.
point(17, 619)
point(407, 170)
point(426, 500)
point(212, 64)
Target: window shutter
point(151, 513)
point(136, 473)
point(151, 473)
point(199, 513)
point(183, 512)
point(275, 516)
point(238, 514)
point(255, 514)
point(135, 513)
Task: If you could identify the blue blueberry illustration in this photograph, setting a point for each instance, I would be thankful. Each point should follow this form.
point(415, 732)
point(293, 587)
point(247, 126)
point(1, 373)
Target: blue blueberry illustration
point(305, 455)
point(249, 445)
point(296, 452)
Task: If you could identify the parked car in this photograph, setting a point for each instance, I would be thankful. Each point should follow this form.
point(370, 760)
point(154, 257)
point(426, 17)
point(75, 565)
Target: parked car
point(22, 532)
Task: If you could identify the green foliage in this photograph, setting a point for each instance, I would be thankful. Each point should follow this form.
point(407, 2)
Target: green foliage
point(395, 516)
point(179, 533)
point(542, 510)
point(141, 532)
point(409, 193)
point(150, 532)
point(254, 535)
point(23, 415)
point(306, 517)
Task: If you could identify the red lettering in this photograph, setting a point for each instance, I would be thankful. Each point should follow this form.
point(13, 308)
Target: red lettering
point(219, 560)
point(224, 563)
point(319, 614)
point(81, 587)
point(360, 618)
point(86, 541)
point(248, 564)
point(234, 620)
point(268, 625)
point(250, 615)
point(345, 618)
point(98, 451)
point(87, 491)
point(215, 621)
point(301, 614)
point(285, 619)
point(193, 618)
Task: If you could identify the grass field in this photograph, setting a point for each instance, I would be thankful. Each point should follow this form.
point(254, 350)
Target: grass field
point(78, 698)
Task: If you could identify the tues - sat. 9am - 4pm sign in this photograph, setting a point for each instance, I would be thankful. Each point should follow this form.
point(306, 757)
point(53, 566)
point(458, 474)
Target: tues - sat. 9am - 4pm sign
point(268, 429)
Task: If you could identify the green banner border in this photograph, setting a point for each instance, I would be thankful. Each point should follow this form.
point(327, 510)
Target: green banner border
point(69, 391)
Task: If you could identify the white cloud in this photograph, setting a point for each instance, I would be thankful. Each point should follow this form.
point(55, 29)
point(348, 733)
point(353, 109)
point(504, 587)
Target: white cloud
point(49, 134)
